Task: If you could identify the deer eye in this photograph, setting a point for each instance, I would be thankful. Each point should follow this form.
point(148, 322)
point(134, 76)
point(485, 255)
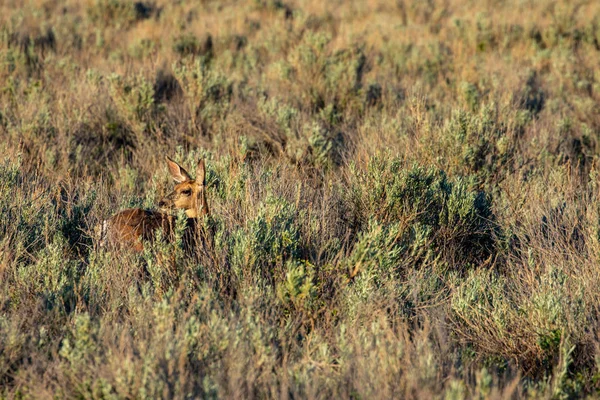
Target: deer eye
point(186, 192)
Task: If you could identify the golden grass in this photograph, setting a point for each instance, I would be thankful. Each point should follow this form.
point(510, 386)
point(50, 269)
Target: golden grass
point(404, 197)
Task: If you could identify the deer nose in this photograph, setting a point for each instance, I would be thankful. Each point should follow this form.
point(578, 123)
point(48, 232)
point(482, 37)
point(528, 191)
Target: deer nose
point(162, 203)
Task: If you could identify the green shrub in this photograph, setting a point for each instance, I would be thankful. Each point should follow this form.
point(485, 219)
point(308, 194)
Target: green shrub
point(403, 195)
point(274, 236)
point(453, 217)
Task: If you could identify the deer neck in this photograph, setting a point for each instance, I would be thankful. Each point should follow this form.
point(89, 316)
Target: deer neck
point(192, 213)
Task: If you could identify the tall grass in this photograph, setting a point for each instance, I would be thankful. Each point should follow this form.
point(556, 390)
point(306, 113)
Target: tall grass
point(404, 199)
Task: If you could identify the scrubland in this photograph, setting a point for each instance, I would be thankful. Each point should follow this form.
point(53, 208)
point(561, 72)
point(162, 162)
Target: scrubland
point(404, 198)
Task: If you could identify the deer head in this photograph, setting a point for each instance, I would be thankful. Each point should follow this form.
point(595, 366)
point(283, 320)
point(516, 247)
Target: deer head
point(189, 194)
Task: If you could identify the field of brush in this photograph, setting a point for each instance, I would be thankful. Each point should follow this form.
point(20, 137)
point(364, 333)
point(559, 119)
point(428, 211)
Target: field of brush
point(405, 197)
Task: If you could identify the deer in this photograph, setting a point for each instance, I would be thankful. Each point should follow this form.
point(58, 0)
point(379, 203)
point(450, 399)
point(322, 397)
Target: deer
point(132, 227)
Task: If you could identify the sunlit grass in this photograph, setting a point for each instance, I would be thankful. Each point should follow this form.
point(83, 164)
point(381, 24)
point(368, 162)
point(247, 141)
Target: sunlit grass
point(404, 199)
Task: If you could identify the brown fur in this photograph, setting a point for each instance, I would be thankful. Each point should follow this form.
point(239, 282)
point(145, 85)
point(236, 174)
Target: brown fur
point(130, 228)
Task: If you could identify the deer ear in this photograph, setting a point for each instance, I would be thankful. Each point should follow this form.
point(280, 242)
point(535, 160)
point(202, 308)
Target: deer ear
point(177, 172)
point(201, 172)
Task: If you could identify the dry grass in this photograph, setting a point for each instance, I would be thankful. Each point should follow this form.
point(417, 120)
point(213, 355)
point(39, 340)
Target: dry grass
point(404, 197)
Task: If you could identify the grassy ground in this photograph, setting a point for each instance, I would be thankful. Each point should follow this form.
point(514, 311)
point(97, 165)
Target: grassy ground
point(405, 197)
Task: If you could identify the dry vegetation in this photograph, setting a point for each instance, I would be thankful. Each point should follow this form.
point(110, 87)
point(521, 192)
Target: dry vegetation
point(404, 194)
